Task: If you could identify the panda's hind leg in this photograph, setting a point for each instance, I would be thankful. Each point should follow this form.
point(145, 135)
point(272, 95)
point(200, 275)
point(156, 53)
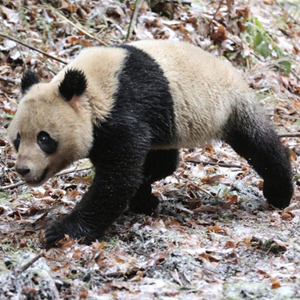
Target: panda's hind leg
point(250, 135)
point(158, 165)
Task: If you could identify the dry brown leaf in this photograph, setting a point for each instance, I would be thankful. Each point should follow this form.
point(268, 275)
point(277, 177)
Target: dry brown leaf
point(219, 35)
point(248, 241)
point(213, 179)
point(216, 229)
point(232, 199)
point(210, 257)
point(287, 216)
point(84, 294)
point(72, 8)
point(275, 283)
point(115, 12)
point(265, 274)
point(230, 244)
point(11, 15)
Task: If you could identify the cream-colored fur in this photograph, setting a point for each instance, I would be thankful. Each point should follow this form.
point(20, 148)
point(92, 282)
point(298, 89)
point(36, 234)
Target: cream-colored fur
point(42, 109)
point(203, 87)
point(70, 123)
point(204, 91)
point(101, 66)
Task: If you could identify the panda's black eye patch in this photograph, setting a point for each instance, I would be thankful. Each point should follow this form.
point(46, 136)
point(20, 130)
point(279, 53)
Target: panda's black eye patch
point(46, 142)
point(17, 142)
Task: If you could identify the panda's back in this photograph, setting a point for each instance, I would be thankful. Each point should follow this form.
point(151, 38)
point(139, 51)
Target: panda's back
point(203, 87)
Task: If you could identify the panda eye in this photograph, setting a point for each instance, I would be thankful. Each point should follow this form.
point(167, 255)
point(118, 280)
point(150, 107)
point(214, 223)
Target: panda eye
point(46, 142)
point(44, 138)
point(17, 141)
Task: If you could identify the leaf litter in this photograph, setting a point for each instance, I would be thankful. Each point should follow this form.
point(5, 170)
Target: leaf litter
point(213, 236)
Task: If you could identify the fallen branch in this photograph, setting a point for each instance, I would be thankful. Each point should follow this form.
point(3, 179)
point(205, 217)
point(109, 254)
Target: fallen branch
point(289, 15)
point(206, 163)
point(296, 134)
point(10, 80)
point(137, 6)
point(32, 48)
point(77, 26)
point(72, 171)
point(31, 262)
point(11, 186)
point(215, 14)
point(181, 2)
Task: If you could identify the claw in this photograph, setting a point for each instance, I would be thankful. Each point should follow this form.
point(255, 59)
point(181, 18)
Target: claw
point(74, 228)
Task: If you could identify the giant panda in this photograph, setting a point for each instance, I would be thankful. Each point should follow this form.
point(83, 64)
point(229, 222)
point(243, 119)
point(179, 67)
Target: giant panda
point(129, 109)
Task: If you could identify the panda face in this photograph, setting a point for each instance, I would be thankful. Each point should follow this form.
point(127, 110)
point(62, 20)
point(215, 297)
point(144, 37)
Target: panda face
point(49, 133)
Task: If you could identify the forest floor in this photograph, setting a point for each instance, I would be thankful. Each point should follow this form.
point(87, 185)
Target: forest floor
point(213, 236)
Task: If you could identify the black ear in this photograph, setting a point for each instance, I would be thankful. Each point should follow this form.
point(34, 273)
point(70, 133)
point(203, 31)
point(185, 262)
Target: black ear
point(74, 84)
point(29, 78)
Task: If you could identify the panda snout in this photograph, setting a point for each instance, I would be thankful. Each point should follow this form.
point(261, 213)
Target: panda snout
point(23, 170)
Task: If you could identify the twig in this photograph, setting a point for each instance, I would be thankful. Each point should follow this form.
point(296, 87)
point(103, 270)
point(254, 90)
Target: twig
point(73, 170)
point(32, 48)
point(283, 8)
point(8, 79)
point(11, 186)
point(214, 16)
point(206, 163)
point(289, 135)
point(229, 5)
point(182, 2)
point(137, 6)
point(77, 26)
point(31, 262)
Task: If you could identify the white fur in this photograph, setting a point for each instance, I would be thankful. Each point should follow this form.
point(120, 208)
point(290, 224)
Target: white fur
point(101, 65)
point(204, 89)
point(42, 109)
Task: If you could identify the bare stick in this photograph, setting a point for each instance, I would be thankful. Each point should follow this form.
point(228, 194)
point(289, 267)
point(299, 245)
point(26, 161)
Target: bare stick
point(137, 6)
point(78, 27)
point(290, 16)
point(182, 2)
point(289, 135)
point(8, 79)
point(73, 170)
point(31, 262)
point(32, 48)
point(206, 163)
point(229, 5)
point(215, 14)
point(11, 186)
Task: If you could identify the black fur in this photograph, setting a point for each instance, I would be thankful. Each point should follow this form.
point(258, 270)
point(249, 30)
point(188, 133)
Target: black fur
point(73, 84)
point(251, 136)
point(125, 167)
point(158, 165)
point(17, 142)
point(143, 115)
point(46, 142)
point(144, 94)
point(28, 79)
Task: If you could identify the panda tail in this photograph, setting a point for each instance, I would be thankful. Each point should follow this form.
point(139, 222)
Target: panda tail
point(250, 134)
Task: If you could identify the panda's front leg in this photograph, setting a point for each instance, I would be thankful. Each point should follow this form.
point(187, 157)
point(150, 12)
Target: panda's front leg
point(118, 155)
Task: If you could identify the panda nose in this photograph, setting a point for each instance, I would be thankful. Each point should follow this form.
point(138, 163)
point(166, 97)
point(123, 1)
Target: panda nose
point(23, 170)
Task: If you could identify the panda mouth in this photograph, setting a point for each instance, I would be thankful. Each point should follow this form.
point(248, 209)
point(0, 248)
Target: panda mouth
point(39, 180)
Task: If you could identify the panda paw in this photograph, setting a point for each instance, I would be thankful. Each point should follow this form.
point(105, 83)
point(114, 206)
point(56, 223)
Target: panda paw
point(278, 194)
point(147, 206)
point(71, 226)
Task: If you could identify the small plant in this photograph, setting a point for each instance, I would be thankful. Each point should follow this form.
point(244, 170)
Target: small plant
point(264, 45)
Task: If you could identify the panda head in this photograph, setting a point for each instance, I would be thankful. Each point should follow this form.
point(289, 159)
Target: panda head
point(52, 126)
